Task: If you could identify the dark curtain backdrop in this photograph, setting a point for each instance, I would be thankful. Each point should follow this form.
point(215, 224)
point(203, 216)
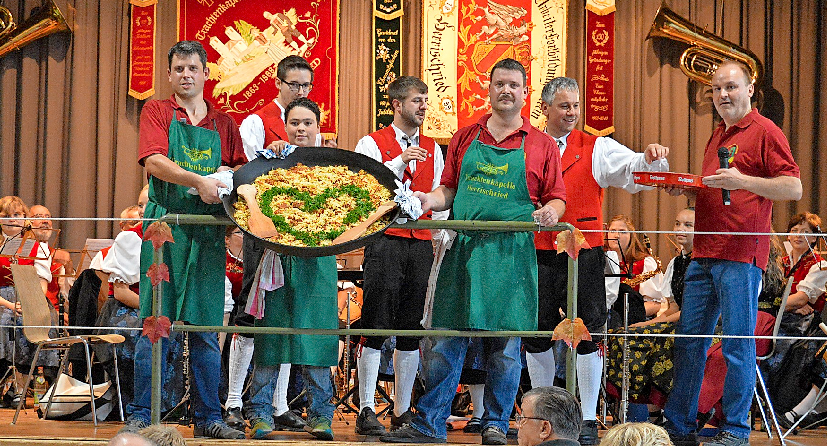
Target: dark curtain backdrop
point(69, 131)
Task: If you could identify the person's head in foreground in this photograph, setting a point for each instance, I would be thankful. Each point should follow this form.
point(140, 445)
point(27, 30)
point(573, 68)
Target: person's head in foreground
point(548, 413)
point(130, 439)
point(163, 435)
point(636, 434)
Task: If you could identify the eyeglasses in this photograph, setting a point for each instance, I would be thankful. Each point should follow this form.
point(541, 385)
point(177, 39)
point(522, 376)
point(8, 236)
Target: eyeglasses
point(295, 87)
point(520, 419)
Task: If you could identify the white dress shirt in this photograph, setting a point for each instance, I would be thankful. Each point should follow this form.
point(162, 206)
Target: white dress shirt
point(613, 164)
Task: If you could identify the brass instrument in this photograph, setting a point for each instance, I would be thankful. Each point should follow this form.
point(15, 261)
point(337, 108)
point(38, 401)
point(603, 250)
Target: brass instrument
point(643, 277)
point(706, 50)
point(45, 20)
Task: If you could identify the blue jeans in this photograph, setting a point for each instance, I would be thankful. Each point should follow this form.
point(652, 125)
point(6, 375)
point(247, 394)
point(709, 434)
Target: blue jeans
point(441, 368)
point(730, 289)
point(205, 361)
point(319, 392)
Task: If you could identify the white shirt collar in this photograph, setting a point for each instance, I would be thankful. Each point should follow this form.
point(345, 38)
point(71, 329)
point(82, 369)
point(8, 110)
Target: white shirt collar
point(399, 134)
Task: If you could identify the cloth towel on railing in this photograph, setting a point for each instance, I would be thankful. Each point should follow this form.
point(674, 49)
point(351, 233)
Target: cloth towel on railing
point(442, 244)
point(269, 277)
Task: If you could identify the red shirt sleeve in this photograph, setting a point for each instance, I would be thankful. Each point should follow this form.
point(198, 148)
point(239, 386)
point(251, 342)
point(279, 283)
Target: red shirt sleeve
point(154, 130)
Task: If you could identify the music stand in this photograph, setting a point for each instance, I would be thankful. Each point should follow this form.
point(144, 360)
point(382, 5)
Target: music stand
point(91, 248)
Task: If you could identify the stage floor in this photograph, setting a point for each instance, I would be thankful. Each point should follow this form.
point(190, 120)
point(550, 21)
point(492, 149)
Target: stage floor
point(30, 430)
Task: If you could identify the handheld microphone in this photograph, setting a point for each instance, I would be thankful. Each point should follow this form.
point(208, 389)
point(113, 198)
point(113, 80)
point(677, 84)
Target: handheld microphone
point(723, 161)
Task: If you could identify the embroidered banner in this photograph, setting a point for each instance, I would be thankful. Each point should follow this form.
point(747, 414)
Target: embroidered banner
point(463, 39)
point(387, 57)
point(245, 40)
point(598, 110)
point(142, 49)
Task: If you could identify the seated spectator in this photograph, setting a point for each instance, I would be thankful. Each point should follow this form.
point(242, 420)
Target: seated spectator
point(550, 416)
point(15, 349)
point(650, 358)
point(130, 439)
point(644, 276)
point(794, 373)
point(121, 263)
point(636, 434)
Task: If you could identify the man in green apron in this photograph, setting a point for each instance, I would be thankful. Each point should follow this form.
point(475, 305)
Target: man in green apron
point(306, 300)
point(182, 139)
point(500, 168)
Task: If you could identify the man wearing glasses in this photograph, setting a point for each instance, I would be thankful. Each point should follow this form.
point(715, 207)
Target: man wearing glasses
point(294, 79)
point(550, 417)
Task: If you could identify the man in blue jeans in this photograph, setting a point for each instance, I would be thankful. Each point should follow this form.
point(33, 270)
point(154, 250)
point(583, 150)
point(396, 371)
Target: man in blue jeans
point(500, 168)
point(183, 139)
point(724, 277)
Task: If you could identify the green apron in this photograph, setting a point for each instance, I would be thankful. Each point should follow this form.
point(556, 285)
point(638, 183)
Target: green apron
point(307, 300)
point(196, 261)
point(488, 280)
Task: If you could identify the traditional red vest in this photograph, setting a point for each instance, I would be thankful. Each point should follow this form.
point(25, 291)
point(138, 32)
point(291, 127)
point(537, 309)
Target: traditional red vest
point(422, 180)
point(234, 272)
point(800, 273)
point(6, 278)
point(274, 130)
point(584, 197)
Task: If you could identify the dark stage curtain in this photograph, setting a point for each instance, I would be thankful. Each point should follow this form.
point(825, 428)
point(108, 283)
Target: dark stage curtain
point(69, 131)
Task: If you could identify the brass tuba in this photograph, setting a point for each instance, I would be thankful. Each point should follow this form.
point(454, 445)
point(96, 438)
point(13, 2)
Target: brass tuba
point(45, 20)
point(706, 50)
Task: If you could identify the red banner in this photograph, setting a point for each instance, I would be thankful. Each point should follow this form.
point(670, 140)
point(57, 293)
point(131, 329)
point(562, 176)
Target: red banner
point(245, 40)
point(599, 83)
point(486, 36)
point(142, 49)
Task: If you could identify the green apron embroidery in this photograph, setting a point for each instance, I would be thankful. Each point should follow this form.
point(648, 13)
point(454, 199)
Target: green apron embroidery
point(196, 261)
point(488, 280)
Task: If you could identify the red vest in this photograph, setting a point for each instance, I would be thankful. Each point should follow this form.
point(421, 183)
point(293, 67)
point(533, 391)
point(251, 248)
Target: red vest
point(234, 272)
point(584, 197)
point(422, 180)
point(801, 273)
point(6, 278)
point(274, 130)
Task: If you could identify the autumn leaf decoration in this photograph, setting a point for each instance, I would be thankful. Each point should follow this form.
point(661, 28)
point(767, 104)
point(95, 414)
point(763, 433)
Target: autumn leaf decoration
point(158, 233)
point(158, 272)
point(571, 242)
point(571, 331)
point(156, 328)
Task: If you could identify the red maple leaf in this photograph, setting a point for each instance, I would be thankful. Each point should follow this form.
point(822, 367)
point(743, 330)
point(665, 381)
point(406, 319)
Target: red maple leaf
point(571, 331)
point(158, 272)
point(571, 243)
point(156, 328)
point(158, 233)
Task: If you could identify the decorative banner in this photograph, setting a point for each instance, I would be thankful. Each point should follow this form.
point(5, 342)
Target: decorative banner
point(246, 39)
point(142, 49)
point(463, 39)
point(387, 57)
point(598, 112)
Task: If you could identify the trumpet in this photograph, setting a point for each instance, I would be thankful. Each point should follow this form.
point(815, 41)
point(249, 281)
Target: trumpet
point(45, 20)
point(706, 51)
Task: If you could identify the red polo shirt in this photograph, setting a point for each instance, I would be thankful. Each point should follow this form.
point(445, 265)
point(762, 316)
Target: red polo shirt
point(154, 134)
point(760, 150)
point(542, 158)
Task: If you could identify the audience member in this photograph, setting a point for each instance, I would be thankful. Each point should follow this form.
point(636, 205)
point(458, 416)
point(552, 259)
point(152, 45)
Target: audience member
point(163, 435)
point(636, 434)
point(550, 416)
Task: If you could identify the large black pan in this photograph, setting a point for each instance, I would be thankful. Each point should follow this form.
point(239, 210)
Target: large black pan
point(313, 156)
